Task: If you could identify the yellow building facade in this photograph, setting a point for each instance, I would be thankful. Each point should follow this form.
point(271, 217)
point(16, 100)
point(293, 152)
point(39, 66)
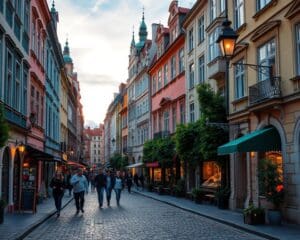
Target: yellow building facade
point(264, 87)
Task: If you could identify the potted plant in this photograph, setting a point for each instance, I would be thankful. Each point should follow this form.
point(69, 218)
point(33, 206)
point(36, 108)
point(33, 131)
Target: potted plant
point(197, 194)
point(254, 215)
point(271, 186)
point(178, 189)
point(222, 197)
point(2, 207)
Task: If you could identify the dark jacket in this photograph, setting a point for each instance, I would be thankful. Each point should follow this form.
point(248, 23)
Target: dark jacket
point(58, 186)
point(100, 180)
point(129, 180)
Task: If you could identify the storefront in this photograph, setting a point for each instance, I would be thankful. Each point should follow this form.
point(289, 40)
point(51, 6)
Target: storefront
point(211, 174)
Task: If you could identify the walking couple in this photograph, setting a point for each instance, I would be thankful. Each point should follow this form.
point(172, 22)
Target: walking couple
point(107, 182)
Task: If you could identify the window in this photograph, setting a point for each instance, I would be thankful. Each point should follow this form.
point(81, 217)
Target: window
point(24, 100)
point(9, 13)
point(182, 113)
point(18, 87)
point(166, 120)
point(213, 46)
point(18, 7)
point(201, 30)
point(192, 75)
point(222, 5)
point(166, 74)
point(238, 13)
point(191, 39)
point(1, 6)
point(159, 82)
point(213, 9)
point(239, 79)
point(26, 15)
point(181, 60)
point(33, 32)
point(153, 84)
point(266, 57)
point(298, 47)
point(174, 118)
point(201, 68)
point(9, 78)
point(173, 67)
point(262, 3)
point(192, 112)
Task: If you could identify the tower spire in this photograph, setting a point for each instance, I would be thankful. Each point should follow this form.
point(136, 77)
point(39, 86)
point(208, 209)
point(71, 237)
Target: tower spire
point(143, 28)
point(132, 41)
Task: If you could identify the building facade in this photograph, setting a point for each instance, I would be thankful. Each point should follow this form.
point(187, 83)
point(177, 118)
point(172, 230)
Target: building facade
point(138, 92)
point(167, 74)
point(264, 94)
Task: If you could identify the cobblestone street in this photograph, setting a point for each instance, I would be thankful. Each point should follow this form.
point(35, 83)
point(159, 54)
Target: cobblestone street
point(138, 217)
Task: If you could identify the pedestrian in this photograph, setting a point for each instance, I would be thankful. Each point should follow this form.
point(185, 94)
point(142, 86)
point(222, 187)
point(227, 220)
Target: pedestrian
point(68, 183)
point(136, 181)
point(92, 180)
point(86, 174)
point(119, 185)
point(142, 180)
point(129, 182)
point(100, 184)
point(110, 182)
point(80, 186)
point(58, 186)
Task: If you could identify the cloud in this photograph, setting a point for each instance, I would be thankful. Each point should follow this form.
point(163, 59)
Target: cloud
point(98, 80)
point(99, 33)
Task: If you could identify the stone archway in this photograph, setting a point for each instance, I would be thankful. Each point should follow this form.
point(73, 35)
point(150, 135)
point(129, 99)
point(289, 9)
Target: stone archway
point(5, 175)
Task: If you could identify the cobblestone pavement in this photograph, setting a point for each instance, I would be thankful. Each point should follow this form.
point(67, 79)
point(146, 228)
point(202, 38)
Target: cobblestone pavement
point(137, 218)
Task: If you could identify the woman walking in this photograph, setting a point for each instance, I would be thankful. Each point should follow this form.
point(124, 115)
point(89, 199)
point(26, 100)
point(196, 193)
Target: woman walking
point(58, 186)
point(119, 185)
point(129, 182)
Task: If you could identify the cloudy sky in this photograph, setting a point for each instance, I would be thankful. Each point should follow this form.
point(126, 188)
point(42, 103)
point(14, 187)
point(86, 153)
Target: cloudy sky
point(99, 33)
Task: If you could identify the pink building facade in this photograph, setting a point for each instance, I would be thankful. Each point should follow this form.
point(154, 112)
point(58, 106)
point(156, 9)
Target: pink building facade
point(168, 75)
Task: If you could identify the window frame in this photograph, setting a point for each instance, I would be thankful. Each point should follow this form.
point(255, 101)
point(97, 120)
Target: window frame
point(191, 75)
point(201, 29)
point(192, 112)
point(239, 13)
point(201, 69)
point(191, 39)
point(239, 80)
point(266, 61)
point(260, 4)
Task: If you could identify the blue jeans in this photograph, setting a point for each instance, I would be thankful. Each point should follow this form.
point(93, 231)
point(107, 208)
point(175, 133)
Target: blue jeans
point(100, 191)
point(118, 195)
point(108, 194)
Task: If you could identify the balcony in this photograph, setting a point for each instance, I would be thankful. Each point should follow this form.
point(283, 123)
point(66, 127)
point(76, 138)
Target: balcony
point(264, 91)
point(161, 134)
point(129, 150)
point(216, 69)
point(15, 117)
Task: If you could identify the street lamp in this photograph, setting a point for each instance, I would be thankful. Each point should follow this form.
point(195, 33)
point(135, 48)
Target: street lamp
point(227, 41)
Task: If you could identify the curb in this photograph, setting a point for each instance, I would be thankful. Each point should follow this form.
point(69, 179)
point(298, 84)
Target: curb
point(260, 234)
point(38, 223)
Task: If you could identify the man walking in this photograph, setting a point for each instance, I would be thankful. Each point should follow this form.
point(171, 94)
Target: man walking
point(110, 183)
point(100, 184)
point(80, 186)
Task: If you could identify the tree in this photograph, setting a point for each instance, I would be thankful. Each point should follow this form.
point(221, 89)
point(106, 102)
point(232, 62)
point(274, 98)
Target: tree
point(187, 142)
point(118, 162)
point(3, 128)
point(212, 110)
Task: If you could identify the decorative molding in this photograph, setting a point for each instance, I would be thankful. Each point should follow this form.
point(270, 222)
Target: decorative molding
point(294, 10)
point(264, 28)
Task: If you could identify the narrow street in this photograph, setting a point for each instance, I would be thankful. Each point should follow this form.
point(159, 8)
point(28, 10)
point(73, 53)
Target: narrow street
point(138, 217)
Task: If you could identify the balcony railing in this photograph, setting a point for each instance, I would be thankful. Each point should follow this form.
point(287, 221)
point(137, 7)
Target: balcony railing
point(161, 134)
point(265, 90)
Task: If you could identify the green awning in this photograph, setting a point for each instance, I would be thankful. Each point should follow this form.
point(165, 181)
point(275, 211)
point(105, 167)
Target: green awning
point(262, 140)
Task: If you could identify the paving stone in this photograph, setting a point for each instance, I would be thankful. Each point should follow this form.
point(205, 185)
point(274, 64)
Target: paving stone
point(137, 218)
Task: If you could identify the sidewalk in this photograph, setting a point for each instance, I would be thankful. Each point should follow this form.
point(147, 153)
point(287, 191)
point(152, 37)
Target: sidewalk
point(17, 225)
point(232, 218)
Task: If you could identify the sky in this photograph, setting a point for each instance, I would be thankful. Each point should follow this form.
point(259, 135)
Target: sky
point(99, 34)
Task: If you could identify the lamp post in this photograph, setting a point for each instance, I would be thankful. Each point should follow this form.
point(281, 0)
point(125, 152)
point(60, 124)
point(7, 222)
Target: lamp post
point(227, 41)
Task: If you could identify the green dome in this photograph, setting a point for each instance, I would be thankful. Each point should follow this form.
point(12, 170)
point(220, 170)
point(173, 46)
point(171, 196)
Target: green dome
point(66, 53)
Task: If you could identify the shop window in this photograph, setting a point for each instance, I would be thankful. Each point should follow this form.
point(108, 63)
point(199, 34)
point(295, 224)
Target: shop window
point(211, 174)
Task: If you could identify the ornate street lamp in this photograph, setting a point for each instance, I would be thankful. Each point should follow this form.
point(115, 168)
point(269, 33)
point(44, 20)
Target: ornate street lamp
point(227, 39)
